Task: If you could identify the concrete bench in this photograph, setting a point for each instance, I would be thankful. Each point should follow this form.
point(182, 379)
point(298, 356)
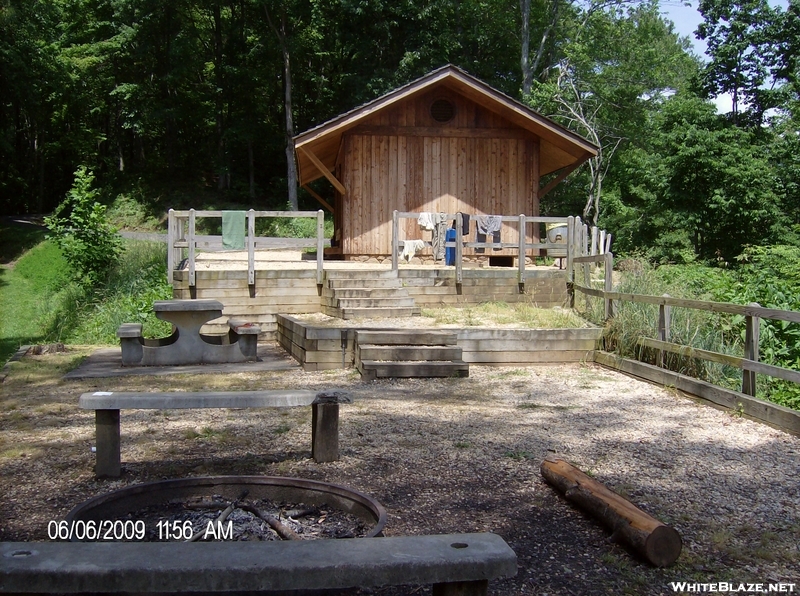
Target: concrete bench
point(187, 345)
point(456, 564)
point(107, 405)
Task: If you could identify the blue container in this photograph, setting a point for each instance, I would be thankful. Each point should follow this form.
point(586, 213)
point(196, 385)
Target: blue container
point(450, 251)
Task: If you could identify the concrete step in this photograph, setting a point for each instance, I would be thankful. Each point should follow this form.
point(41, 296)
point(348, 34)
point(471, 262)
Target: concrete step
point(332, 274)
point(409, 353)
point(365, 283)
point(409, 337)
point(371, 369)
point(345, 303)
point(375, 313)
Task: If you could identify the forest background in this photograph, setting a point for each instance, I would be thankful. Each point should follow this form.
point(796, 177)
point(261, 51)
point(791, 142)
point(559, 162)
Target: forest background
point(143, 105)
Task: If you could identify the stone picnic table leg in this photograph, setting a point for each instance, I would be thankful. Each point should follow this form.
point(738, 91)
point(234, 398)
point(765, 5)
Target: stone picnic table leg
point(107, 444)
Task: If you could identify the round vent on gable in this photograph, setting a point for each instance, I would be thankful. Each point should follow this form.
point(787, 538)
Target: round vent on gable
point(442, 110)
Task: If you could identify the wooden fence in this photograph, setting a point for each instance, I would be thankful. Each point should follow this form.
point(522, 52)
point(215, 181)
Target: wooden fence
point(578, 235)
point(753, 313)
point(181, 236)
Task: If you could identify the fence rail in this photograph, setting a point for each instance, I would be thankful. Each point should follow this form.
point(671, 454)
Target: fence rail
point(753, 314)
point(181, 235)
point(600, 240)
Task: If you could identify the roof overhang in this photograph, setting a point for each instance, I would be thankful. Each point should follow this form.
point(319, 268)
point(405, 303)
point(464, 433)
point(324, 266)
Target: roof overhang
point(318, 148)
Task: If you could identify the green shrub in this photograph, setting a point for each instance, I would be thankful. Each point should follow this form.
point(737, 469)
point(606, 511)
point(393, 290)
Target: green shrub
point(80, 229)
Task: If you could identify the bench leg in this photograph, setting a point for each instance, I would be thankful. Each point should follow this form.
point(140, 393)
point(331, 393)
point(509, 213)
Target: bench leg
point(107, 438)
point(325, 432)
point(476, 588)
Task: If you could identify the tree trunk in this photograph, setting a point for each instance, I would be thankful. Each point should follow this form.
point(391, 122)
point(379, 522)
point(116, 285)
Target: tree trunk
point(251, 167)
point(527, 72)
point(291, 165)
point(222, 170)
point(657, 543)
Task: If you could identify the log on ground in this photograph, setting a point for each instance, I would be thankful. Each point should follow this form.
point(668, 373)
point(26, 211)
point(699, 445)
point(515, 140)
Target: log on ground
point(658, 543)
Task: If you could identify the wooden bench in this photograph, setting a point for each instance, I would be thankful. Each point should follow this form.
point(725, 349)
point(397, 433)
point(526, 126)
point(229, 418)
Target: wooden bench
point(107, 406)
point(456, 564)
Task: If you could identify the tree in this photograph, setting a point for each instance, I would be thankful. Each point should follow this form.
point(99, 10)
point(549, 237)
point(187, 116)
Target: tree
point(620, 63)
point(742, 45)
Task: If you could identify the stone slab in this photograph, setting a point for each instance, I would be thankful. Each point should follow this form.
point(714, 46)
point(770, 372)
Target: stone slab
point(145, 567)
point(120, 400)
point(186, 305)
point(107, 363)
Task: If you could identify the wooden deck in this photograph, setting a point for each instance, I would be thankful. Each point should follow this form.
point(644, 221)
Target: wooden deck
point(290, 287)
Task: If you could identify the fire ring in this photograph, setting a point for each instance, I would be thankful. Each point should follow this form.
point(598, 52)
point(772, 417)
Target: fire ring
point(120, 502)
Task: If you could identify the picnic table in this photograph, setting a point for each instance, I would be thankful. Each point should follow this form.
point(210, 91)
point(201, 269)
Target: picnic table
point(186, 345)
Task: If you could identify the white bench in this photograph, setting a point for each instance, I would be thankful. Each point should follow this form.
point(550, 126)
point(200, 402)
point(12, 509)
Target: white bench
point(456, 565)
point(107, 406)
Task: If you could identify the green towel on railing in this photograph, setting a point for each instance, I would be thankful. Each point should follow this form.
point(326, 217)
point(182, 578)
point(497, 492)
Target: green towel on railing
point(233, 229)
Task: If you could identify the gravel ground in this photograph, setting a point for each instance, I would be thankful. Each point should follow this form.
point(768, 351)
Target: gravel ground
point(447, 455)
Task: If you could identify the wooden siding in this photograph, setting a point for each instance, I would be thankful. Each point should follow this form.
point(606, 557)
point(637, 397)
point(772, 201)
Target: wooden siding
point(403, 159)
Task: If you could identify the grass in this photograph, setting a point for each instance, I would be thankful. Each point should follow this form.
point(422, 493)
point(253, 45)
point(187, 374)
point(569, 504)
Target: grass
point(501, 313)
point(24, 286)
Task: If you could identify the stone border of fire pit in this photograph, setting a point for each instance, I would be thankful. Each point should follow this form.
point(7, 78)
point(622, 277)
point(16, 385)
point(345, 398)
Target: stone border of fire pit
point(119, 503)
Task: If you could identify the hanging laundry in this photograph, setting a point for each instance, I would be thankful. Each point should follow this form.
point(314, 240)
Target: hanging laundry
point(426, 220)
point(439, 235)
point(411, 247)
point(489, 224)
point(464, 224)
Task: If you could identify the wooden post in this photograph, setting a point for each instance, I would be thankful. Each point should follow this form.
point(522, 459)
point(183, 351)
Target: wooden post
point(585, 240)
point(107, 463)
point(459, 249)
point(657, 543)
point(751, 350)
point(395, 241)
point(251, 247)
point(602, 242)
point(570, 247)
point(191, 247)
point(522, 251)
point(325, 432)
point(170, 245)
point(664, 318)
point(587, 282)
point(593, 251)
point(320, 244)
point(608, 243)
point(608, 283)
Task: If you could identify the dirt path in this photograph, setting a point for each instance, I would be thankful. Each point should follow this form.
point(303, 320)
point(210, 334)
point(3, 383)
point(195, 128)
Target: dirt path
point(450, 455)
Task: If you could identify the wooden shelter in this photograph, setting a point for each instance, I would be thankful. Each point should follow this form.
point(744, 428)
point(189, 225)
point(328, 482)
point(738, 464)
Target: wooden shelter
point(447, 143)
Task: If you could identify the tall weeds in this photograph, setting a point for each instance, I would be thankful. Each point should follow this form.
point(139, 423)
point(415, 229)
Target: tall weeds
point(716, 332)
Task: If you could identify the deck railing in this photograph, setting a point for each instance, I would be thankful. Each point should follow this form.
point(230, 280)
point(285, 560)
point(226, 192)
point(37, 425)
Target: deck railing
point(577, 242)
point(182, 236)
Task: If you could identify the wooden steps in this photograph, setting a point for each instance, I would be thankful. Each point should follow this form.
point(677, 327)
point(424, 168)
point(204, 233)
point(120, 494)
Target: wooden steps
point(390, 354)
point(366, 294)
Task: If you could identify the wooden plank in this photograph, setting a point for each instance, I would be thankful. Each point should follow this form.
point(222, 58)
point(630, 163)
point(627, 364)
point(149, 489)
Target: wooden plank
point(743, 363)
point(501, 358)
point(722, 307)
point(452, 132)
point(530, 335)
point(517, 346)
point(319, 199)
point(779, 416)
point(321, 167)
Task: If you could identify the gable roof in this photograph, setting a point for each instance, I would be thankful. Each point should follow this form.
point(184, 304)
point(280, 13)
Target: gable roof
point(563, 147)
